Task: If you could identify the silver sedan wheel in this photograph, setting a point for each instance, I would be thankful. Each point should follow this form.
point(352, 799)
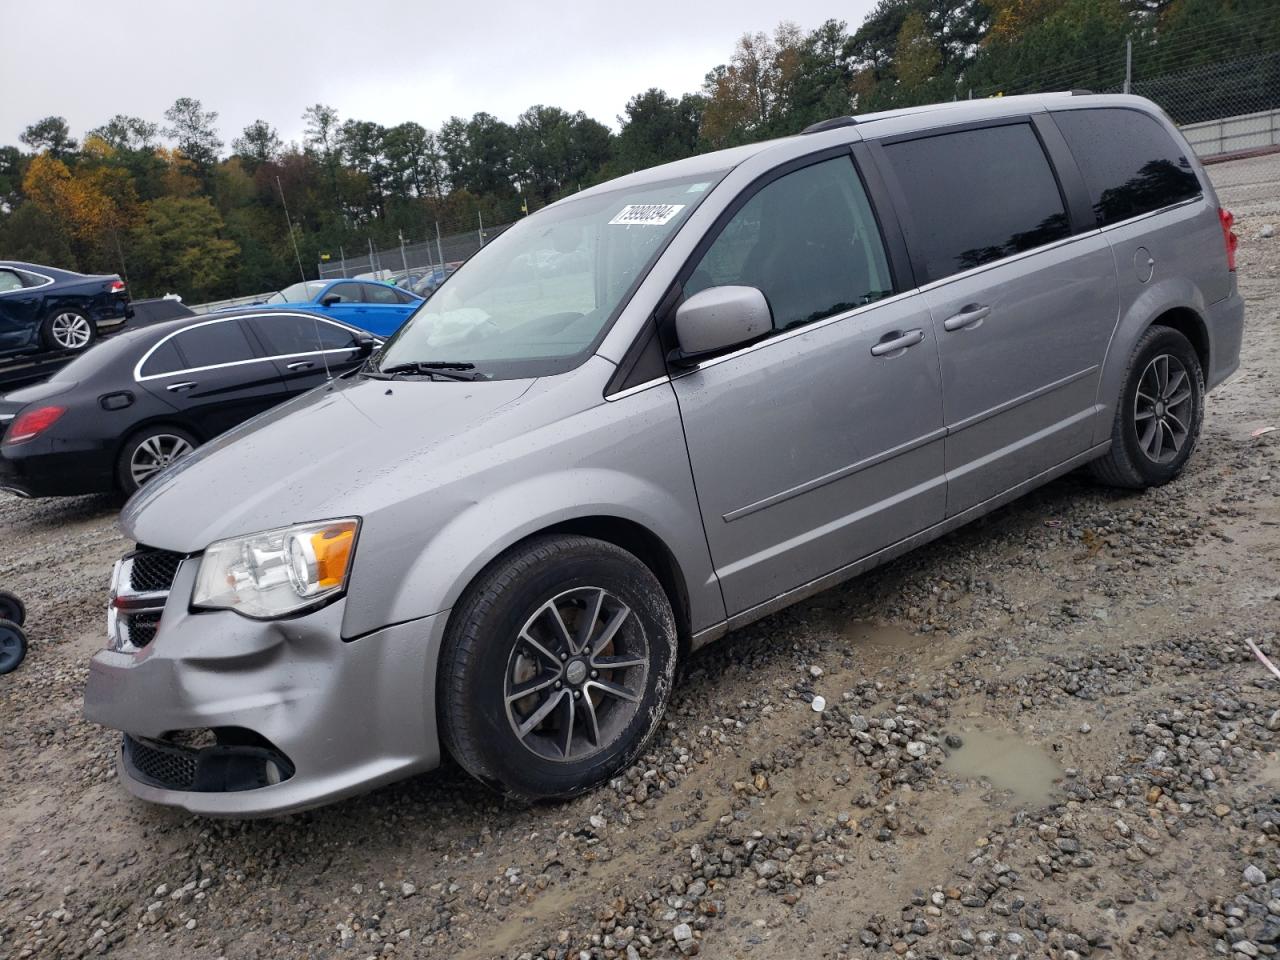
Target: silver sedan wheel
point(576, 674)
point(1163, 408)
point(71, 331)
point(154, 454)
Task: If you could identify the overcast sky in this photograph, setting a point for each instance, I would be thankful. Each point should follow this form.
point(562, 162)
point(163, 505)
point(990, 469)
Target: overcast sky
point(382, 60)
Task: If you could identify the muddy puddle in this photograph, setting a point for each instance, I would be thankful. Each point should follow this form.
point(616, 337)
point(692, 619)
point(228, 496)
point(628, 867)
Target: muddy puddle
point(1007, 762)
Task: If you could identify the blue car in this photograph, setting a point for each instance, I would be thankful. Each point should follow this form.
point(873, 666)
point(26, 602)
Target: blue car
point(368, 304)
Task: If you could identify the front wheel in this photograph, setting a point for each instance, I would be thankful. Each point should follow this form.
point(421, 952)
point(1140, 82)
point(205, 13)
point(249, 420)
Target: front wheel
point(67, 330)
point(1159, 415)
point(556, 667)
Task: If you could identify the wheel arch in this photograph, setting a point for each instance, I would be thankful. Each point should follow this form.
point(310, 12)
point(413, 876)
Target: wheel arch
point(160, 420)
point(1192, 326)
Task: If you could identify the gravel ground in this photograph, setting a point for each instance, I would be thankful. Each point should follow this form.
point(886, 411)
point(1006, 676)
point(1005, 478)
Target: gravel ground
point(1043, 736)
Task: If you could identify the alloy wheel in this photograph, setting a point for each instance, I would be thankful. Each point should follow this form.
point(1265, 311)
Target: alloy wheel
point(576, 674)
point(71, 331)
point(1163, 408)
point(154, 454)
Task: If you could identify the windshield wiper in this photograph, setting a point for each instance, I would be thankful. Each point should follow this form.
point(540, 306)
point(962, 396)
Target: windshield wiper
point(451, 370)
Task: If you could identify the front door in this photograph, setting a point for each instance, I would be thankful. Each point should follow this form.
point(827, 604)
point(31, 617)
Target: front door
point(1024, 302)
point(306, 350)
point(823, 443)
point(19, 309)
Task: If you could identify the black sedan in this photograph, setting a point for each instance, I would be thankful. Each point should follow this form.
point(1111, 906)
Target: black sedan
point(114, 417)
point(43, 310)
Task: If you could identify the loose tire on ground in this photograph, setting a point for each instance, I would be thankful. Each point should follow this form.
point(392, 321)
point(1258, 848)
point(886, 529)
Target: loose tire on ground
point(13, 646)
point(12, 609)
point(568, 619)
point(148, 451)
point(1159, 415)
point(67, 330)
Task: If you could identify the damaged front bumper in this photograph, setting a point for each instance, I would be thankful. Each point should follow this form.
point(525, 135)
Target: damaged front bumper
point(227, 716)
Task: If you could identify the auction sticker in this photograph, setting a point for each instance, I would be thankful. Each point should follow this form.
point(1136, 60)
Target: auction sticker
point(647, 214)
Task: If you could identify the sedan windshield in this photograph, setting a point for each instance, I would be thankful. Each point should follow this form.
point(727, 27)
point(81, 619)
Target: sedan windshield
point(538, 298)
point(298, 293)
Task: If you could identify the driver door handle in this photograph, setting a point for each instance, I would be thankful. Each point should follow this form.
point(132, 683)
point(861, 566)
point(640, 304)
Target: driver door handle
point(301, 365)
point(969, 316)
point(179, 387)
point(894, 342)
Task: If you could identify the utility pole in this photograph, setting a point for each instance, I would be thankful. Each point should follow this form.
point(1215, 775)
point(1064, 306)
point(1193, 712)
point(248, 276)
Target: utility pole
point(372, 263)
point(342, 256)
point(439, 248)
point(1128, 63)
point(404, 261)
point(481, 219)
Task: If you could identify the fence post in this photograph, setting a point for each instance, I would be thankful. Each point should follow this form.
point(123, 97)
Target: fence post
point(1128, 63)
point(481, 219)
point(439, 249)
point(342, 256)
point(404, 261)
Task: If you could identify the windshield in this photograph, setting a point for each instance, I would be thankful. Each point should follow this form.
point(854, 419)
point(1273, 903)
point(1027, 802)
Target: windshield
point(537, 299)
point(298, 293)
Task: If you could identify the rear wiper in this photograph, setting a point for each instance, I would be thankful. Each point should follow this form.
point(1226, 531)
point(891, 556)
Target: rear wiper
point(434, 368)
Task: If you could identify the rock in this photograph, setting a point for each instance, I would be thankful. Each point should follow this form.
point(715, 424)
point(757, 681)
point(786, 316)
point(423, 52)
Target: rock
point(954, 742)
point(960, 948)
point(815, 672)
point(1273, 721)
point(819, 704)
point(1267, 231)
point(682, 932)
point(766, 869)
point(598, 823)
point(917, 749)
point(1253, 876)
point(407, 889)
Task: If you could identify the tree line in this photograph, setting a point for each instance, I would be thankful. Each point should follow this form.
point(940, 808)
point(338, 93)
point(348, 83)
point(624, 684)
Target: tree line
point(171, 207)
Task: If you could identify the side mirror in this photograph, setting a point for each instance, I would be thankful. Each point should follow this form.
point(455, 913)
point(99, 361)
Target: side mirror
point(365, 346)
point(717, 318)
point(330, 300)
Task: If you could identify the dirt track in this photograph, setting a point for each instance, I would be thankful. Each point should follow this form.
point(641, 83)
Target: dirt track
point(1084, 651)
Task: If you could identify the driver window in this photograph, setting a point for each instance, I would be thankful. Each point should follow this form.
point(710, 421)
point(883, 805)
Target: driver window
point(808, 241)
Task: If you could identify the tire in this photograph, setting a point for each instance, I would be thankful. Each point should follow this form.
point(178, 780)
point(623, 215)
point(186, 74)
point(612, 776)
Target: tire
point(12, 609)
point(1164, 385)
point(503, 637)
point(148, 451)
point(68, 331)
point(13, 646)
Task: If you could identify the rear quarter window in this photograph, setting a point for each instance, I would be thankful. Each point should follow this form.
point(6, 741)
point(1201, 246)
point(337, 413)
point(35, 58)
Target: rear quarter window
point(164, 359)
point(1129, 162)
point(975, 196)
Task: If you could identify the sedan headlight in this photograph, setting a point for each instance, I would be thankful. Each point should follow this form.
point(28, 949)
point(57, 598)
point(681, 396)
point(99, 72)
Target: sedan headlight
point(277, 572)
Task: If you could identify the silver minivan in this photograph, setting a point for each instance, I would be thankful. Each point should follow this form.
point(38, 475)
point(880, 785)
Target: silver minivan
point(647, 415)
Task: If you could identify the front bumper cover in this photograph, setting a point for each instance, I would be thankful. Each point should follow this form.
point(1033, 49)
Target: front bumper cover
point(349, 716)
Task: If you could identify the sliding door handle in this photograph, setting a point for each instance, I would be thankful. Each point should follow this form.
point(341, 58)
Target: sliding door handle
point(896, 342)
point(969, 316)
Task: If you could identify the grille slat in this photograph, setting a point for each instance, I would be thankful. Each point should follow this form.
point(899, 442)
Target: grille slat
point(153, 570)
point(172, 767)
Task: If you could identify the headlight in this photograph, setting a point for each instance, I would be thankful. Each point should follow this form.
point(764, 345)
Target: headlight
point(277, 572)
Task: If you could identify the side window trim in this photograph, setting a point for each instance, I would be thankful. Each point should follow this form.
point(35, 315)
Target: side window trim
point(1070, 180)
point(266, 348)
point(248, 334)
point(910, 229)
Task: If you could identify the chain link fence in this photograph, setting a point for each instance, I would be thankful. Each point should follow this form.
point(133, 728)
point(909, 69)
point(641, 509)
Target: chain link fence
point(412, 259)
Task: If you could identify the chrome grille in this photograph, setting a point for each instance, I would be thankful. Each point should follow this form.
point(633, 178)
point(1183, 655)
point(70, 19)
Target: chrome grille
point(140, 587)
point(153, 570)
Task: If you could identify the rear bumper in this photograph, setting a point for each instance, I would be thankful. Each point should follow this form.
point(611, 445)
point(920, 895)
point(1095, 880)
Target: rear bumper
point(347, 716)
point(33, 469)
point(1226, 333)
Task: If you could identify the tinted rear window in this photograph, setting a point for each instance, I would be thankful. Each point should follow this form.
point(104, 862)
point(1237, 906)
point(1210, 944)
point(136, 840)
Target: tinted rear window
point(214, 343)
point(290, 334)
point(977, 195)
point(165, 359)
point(1129, 162)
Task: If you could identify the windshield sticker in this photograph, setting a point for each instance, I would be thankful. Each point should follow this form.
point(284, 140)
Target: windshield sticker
point(647, 214)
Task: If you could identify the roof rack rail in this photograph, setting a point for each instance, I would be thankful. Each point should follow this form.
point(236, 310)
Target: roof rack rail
point(1082, 92)
point(832, 124)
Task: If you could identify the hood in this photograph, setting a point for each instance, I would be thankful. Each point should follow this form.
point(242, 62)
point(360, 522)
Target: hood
point(329, 453)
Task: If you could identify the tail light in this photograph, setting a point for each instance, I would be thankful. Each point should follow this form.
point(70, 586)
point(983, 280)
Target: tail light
point(117, 286)
point(32, 423)
point(1228, 220)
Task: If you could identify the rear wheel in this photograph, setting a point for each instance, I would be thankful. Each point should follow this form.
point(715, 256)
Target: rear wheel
point(556, 668)
point(67, 330)
point(13, 646)
point(1159, 415)
point(150, 451)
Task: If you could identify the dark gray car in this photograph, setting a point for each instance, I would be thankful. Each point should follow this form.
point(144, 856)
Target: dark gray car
point(649, 414)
